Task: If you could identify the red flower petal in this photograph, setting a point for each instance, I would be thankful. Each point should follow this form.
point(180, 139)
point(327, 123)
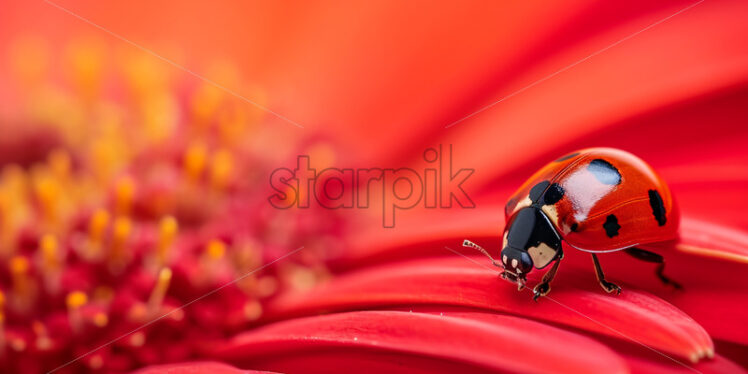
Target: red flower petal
point(707, 239)
point(195, 368)
point(662, 365)
point(709, 297)
point(632, 315)
point(720, 310)
point(420, 234)
point(419, 341)
point(638, 360)
point(587, 98)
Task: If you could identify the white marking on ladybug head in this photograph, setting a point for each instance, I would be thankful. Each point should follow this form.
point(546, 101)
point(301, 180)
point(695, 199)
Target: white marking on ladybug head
point(506, 260)
point(551, 212)
point(541, 255)
point(514, 263)
point(522, 204)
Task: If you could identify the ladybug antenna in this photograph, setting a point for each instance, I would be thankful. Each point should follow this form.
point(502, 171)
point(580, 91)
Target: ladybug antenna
point(468, 244)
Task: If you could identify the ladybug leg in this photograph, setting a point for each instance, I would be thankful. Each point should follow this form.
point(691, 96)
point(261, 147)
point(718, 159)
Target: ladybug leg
point(607, 286)
point(648, 256)
point(542, 288)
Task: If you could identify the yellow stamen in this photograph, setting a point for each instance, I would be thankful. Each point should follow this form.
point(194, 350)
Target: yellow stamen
point(195, 160)
point(97, 226)
point(6, 226)
point(107, 156)
point(51, 263)
point(120, 237)
point(23, 284)
point(234, 121)
point(205, 101)
point(60, 163)
point(221, 168)
point(43, 341)
point(18, 344)
point(137, 339)
point(124, 193)
point(247, 256)
point(209, 261)
point(159, 115)
point(323, 155)
point(75, 300)
point(96, 362)
point(14, 177)
point(252, 310)
point(144, 76)
point(2, 323)
point(301, 277)
point(103, 294)
point(86, 64)
point(19, 265)
point(47, 192)
point(50, 253)
point(215, 249)
point(14, 206)
point(266, 286)
point(100, 319)
point(156, 299)
point(167, 232)
point(23, 295)
point(138, 313)
point(176, 314)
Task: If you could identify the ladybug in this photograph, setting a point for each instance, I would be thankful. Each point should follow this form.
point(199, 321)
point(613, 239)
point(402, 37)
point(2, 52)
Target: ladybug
point(597, 200)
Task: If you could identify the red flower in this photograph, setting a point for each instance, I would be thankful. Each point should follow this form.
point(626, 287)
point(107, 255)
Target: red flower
point(136, 233)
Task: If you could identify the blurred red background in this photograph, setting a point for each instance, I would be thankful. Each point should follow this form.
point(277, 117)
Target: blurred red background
point(510, 85)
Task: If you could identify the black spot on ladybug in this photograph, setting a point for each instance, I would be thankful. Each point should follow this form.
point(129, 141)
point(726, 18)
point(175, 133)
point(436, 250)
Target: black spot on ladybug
point(554, 193)
point(604, 172)
point(570, 155)
point(658, 207)
point(537, 190)
point(574, 227)
point(611, 226)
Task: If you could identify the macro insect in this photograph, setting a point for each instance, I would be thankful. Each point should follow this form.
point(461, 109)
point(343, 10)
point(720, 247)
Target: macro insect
point(596, 200)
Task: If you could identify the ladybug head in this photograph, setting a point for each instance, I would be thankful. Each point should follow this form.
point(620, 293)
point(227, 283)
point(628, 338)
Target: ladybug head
point(516, 261)
point(530, 240)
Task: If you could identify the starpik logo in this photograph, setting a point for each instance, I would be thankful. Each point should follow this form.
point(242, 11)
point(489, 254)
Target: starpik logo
point(437, 186)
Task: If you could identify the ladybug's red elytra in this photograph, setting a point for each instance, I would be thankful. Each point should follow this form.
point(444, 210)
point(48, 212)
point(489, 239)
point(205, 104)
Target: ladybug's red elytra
point(597, 200)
